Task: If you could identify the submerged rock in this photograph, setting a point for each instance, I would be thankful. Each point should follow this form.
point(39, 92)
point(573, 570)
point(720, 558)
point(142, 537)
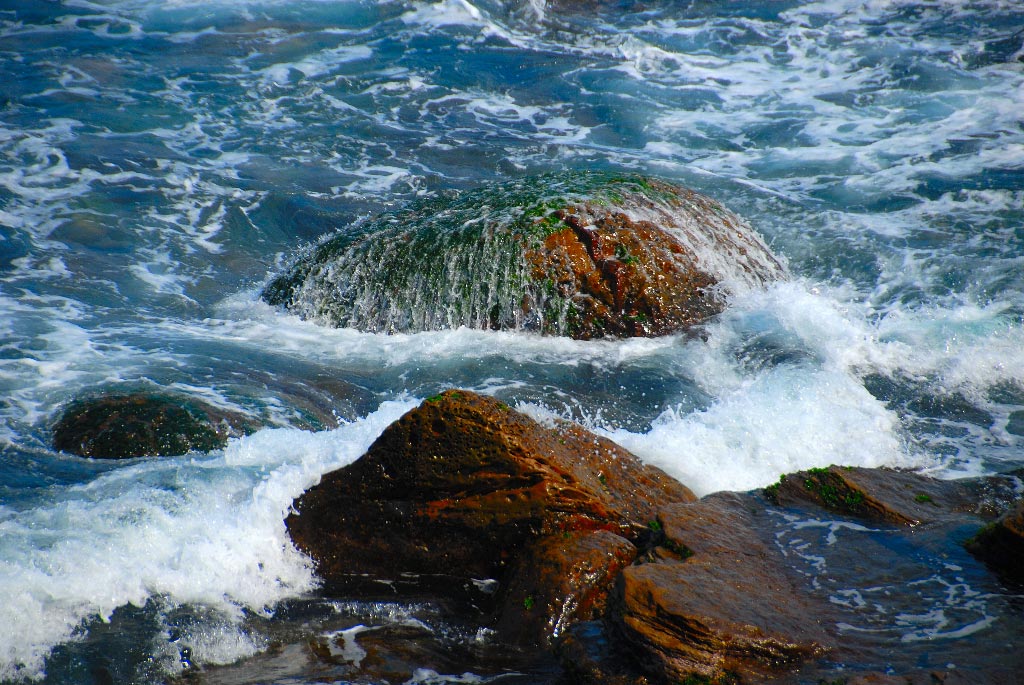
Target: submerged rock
point(578, 254)
point(464, 492)
point(144, 425)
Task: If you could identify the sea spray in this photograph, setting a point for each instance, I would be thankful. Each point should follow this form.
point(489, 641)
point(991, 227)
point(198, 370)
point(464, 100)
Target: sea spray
point(196, 530)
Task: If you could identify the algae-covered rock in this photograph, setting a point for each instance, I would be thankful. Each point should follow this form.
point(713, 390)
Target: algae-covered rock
point(144, 425)
point(903, 497)
point(579, 254)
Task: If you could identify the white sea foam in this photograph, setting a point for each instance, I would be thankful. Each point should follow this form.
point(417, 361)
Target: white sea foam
point(780, 423)
point(761, 424)
point(246, 319)
point(967, 348)
point(159, 274)
point(317, 65)
point(444, 13)
point(205, 531)
point(829, 111)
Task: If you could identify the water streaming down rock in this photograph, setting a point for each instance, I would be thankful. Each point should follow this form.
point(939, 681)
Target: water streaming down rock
point(579, 254)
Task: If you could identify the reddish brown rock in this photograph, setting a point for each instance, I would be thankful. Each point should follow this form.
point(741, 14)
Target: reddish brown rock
point(623, 277)
point(719, 602)
point(901, 497)
point(561, 580)
point(648, 263)
point(462, 486)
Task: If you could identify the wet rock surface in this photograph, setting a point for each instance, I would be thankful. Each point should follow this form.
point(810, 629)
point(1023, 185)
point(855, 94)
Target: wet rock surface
point(622, 277)
point(900, 497)
point(717, 599)
point(578, 254)
point(560, 580)
point(122, 426)
point(555, 540)
point(591, 656)
point(1001, 544)
point(464, 491)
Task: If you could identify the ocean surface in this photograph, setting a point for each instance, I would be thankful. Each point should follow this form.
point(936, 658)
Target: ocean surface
point(160, 160)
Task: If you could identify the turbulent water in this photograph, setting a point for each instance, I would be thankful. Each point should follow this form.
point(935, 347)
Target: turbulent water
point(160, 160)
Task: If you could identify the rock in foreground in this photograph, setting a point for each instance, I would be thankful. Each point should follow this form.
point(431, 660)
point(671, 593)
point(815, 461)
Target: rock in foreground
point(554, 537)
point(464, 491)
point(579, 254)
point(717, 599)
point(143, 425)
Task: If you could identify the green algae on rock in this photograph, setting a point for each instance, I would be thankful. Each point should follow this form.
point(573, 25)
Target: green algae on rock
point(1000, 543)
point(576, 254)
point(144, 424)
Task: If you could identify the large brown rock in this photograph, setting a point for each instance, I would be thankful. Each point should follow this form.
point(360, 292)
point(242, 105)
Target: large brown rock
point(462, 490)
point(716, 601)
point(723, 591)
point(577, 254)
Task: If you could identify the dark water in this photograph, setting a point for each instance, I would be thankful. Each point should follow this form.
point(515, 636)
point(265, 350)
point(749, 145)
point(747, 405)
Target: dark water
point(159, 160)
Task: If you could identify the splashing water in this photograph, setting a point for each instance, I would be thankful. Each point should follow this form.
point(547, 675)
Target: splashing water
point(159, 160)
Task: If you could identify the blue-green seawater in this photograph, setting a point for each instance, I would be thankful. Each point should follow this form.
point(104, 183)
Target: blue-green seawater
point(160, 160)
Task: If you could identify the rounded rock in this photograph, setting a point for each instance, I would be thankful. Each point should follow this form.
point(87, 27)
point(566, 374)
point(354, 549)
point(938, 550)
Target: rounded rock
point(577, 254)
point(142, 425)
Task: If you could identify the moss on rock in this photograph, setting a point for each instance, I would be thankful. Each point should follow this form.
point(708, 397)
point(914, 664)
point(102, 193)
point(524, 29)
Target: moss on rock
point(579, 254)
point(143, 425)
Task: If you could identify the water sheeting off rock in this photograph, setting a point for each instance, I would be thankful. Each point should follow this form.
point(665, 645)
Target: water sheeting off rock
point(577, 254)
